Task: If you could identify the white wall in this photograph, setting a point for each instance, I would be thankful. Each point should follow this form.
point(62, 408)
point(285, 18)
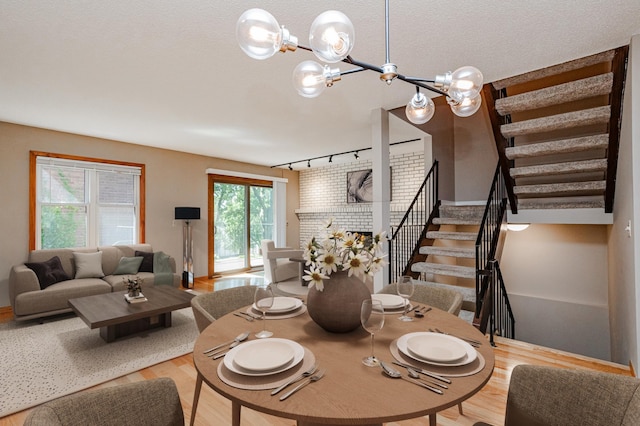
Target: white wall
point(624, 268)
point(556, 278)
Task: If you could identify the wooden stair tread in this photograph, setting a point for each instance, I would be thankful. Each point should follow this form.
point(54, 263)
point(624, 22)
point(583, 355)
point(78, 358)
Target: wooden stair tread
point(461, 236)
point(586, 166)
point(563, 146)
point(597, 115)
point(443, 269)
point(561, 188)
point(463, 252)
point(556, 95)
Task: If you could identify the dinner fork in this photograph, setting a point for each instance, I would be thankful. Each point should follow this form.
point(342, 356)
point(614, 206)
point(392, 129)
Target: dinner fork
point(243, 315)
point(311, 379)
point(297, 378)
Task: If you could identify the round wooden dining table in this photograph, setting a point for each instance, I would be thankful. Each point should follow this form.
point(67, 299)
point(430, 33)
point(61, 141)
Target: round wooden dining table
point(350, 393)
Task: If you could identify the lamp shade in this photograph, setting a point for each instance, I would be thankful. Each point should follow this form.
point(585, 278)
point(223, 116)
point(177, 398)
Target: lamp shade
point(187, 213)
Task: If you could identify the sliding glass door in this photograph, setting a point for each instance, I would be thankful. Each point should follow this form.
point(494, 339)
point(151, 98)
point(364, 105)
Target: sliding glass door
point(242, 217)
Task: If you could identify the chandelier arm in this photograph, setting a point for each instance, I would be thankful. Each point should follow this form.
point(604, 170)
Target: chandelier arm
point(420, 79)
point(420, 84)
point(352, 71)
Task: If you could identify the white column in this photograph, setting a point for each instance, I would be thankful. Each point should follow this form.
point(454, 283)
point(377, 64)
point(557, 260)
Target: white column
point(280, 213)
point(381, 183)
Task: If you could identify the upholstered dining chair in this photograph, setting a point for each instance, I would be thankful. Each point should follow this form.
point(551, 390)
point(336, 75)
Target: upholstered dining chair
point(209, 306)
point(448, 300)
point(540, 395)
point(153, 402)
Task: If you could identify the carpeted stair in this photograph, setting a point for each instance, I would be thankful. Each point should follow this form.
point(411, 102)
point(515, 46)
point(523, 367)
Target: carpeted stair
point(557, 129)
point(452, 252)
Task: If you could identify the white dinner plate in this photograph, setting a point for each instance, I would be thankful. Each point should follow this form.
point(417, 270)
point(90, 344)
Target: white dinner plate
point(469, 357)
point(436, 347)
point(389, 301)
point(258, 359)
point(282, 305)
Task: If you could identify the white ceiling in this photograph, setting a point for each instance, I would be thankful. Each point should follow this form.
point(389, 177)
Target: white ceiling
point(169, 73)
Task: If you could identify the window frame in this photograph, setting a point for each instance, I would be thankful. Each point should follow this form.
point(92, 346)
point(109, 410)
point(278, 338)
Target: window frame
point(33, 190)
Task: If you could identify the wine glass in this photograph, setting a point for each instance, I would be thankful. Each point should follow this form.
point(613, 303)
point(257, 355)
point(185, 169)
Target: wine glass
point(372, 319)
point(263, 299)
point(405, 288)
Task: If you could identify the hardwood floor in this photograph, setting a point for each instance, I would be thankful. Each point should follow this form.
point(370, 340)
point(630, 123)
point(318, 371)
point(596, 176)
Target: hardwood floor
point(488, 405)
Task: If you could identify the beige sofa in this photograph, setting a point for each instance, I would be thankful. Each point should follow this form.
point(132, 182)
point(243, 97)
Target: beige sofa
point(30, 301)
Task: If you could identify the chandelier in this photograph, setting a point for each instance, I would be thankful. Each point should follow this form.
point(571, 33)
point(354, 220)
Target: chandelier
point(331, 38)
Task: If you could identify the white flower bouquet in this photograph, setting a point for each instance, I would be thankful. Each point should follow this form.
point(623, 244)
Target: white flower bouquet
point(337, 250)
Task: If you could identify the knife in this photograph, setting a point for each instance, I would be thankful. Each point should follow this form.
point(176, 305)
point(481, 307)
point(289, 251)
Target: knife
point(425, 372)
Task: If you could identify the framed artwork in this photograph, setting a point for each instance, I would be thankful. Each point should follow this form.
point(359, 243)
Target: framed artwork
point(360, 186)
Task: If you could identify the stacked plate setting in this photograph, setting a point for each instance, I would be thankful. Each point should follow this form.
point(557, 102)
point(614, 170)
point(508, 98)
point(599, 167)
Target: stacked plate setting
point(391, 303)
point(281, 306)
point(437, 349)
point(264, 357)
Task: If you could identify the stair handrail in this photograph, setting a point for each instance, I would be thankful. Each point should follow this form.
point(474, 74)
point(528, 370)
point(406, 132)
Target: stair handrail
point(489, 232)
point(497, 307)
point(490, 95)
point(404, 241)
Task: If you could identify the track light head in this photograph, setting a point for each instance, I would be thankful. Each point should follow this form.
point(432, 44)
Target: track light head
point(356, 155)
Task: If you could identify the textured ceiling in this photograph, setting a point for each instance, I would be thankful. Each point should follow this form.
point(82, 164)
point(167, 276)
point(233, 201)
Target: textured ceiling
point(169, 73)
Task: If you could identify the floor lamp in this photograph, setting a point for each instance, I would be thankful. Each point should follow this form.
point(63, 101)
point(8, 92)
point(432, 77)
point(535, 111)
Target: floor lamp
point(187, 214)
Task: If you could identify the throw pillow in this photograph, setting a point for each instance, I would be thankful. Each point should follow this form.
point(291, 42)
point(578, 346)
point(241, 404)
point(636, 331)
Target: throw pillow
point(49, 272)
point(88, 265)
point(128, 265)
point(147, 262)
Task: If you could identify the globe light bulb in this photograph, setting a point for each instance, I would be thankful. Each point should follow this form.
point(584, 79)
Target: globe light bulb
point(331, 36)
point(466, 107)
point(260, 36)
point(420, 109)
point(466, 82)
point(309, 79)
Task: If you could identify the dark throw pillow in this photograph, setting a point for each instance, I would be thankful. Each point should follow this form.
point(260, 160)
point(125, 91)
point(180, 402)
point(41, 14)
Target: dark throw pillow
point(147, 261)
point(49, 272)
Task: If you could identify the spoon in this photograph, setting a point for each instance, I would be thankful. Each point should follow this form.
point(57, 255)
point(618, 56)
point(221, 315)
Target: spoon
point(235, 342)
point(395, 374)
point(415, 375)
point(239, 337)
point(420, 313)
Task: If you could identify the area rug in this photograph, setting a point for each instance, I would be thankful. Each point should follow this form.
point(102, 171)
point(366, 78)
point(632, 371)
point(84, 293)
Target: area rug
point(41, 362)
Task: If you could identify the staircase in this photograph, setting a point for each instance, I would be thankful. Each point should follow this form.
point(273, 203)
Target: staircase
point(557, 132)
point(450, 252)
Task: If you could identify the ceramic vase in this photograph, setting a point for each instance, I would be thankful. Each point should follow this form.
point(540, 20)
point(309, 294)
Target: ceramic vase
point(337, 308)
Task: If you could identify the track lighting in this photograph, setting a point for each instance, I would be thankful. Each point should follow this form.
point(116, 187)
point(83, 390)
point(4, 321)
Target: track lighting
point(290, 168)
point(308, 163)
point(332, 38)
point(356, 155)
point(331, 158)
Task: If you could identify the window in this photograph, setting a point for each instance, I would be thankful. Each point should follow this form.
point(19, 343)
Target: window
point(81, 202)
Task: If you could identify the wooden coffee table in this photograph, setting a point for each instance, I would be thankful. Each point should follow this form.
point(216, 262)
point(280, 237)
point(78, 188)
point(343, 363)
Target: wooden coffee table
point(116, 318)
